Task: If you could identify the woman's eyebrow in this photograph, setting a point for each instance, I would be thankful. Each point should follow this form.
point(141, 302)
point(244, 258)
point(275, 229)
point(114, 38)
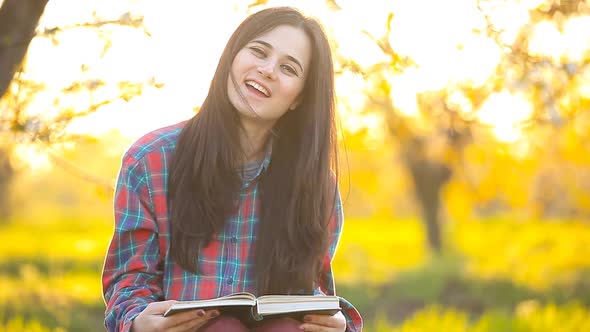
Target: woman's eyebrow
point(269, 46)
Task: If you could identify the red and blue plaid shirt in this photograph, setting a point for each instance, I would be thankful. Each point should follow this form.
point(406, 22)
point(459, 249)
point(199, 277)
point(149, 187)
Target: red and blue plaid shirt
point(138, 268)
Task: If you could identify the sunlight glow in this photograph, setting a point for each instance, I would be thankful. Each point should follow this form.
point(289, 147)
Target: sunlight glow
point(458, 101)
point(32, 156)
point(351, 106)
point(508, 17)
point(546, 40)
point(371, 122)
point(504, 111)
point(445, 41)
point(584, 86)
point(176, 54)
point(353, 44)
point(60, 13)
point(403, 92)
point(576, 38)
point(349, 89)
point(61, 72)
point(572, 45)
point(373, 16)
point(447, 27)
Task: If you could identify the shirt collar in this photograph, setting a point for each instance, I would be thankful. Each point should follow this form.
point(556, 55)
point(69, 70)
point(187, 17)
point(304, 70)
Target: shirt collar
point(267, 156)
point(265, 162)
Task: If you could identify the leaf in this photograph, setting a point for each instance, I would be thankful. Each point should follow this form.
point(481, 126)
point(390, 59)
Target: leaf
point(332, 5)
point(257, 3)
point(107, 45)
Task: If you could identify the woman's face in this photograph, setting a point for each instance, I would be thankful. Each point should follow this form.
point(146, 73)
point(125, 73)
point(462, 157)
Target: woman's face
point(270, 73)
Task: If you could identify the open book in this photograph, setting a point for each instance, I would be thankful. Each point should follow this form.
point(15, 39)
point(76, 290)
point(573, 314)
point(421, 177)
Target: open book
point(247, 306)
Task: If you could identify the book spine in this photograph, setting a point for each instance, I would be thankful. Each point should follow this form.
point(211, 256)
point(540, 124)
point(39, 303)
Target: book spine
point(254, 312)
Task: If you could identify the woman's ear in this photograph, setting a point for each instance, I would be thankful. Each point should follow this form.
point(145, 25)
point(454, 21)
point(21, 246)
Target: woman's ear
point(295, 104)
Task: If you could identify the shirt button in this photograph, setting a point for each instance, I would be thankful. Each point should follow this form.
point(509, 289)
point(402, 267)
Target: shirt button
point(234, 239)
point(230, 281)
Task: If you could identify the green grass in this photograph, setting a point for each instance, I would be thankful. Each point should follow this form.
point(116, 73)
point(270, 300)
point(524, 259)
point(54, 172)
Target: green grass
point(529, 318)
point(50, 277)
point(441, 282)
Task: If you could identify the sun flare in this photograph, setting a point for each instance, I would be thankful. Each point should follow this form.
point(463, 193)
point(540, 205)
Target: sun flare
point(504, 111)
point(185, 40)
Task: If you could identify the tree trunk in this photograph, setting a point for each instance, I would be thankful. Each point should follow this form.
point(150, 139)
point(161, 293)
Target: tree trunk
point(6, 172)
point(429, 177)
point(18, 21)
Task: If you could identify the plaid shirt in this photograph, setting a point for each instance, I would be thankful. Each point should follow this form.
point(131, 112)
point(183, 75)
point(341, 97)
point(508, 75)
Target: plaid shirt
point(138, 268)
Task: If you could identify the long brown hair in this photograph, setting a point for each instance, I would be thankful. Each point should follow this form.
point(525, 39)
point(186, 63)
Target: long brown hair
point(297, 191)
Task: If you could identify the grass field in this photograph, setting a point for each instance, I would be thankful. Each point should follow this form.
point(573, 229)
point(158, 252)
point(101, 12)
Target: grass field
point(496, 275)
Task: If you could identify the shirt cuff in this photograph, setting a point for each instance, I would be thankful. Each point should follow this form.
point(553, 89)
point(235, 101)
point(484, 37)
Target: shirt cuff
point(354, 321)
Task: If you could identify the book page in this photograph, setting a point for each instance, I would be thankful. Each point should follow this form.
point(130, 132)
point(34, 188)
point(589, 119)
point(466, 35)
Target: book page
point(277, 304)
point(236, 299)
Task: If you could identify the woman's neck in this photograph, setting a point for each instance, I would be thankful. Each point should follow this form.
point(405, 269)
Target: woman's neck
point(253, 141)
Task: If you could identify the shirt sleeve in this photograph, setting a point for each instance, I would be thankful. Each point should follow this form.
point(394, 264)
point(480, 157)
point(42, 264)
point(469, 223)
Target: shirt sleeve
point(354, 322)
point(131, 276)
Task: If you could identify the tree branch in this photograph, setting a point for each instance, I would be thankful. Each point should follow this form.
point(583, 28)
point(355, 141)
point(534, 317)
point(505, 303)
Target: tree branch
point(74, 169)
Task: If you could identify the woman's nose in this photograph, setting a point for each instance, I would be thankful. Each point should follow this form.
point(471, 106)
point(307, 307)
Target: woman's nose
point(268, 69)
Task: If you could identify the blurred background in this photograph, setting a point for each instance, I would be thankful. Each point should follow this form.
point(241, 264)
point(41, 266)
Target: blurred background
point(464, 130)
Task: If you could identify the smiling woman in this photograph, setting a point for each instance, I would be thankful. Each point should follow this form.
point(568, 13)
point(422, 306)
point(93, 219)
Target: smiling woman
point(242, 197)
point(266, 76)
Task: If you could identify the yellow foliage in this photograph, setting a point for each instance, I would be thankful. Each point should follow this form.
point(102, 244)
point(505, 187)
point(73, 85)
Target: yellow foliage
point(56, 290)
point(460, 201)
point(534, 254)
point(571, 317)
point(436, 319)
point(373, 250)
point(17, 324)
point(572, 146)
point(54, 242)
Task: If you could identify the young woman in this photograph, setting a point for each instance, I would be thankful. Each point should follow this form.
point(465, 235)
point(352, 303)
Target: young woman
point(241, 197)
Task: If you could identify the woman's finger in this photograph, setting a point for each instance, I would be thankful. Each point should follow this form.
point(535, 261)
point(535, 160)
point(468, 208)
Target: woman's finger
point(195, 322)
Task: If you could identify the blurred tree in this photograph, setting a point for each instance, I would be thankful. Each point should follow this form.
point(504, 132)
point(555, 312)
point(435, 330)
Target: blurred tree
point(552, 80)
point(18, 26)
point(18, 20)
point(434, 140)
point(5, 179)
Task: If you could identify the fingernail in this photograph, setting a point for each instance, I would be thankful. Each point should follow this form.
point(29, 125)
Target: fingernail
point(200, 313)
point(307, 319)
point(214, 313)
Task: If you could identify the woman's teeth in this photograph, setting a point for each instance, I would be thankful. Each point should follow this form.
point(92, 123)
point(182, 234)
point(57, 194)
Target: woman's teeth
point(258, 87)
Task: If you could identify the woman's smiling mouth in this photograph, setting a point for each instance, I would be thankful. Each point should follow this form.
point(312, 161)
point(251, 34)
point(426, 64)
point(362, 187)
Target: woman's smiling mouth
point(259, 88)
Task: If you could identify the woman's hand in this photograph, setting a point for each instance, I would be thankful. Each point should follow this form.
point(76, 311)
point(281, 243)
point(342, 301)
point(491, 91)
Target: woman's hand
point(151, 319)
point(324, 323)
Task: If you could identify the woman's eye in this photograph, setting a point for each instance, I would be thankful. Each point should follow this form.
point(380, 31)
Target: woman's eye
point(258, 51)
point(289, 69)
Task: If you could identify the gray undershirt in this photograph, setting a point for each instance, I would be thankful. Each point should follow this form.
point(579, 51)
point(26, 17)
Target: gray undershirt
point(250, 170)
